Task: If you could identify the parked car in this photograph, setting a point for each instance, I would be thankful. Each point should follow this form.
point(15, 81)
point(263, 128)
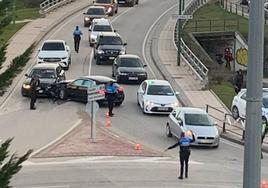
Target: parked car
point(184, 119)
point(55, 51)
point(108, 46)
point(129, 68)
point(239, 104)
point(98, 26)
point(77, 89)
point(48, 74)
point(156, 96)
point(111, 6)
point(92, 13)
point(130, 3)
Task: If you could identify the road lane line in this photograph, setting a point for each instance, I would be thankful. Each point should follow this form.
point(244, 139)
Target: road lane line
point(57, 139)
point(90, 62)
point(147, 35)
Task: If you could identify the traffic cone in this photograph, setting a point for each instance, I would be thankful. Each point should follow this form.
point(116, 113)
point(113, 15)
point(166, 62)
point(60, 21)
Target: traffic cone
point(137, 147)
point(107, 114)
point(263, 184)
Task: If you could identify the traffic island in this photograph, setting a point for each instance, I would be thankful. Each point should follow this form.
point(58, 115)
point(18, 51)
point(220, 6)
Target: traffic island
point(79, 143)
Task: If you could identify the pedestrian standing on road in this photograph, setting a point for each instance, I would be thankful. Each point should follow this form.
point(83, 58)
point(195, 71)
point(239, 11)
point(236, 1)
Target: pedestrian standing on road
point(110, 92)
point(77, 37)
point(264, 130)
point(184, 143)
point(34, 83)
point(238, 81)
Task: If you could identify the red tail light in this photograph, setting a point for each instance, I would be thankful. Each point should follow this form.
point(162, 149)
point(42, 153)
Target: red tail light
point(121, 89)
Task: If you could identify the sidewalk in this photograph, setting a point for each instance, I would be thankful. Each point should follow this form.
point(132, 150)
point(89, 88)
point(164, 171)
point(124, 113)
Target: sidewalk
point(36, 30)
point(189, 87)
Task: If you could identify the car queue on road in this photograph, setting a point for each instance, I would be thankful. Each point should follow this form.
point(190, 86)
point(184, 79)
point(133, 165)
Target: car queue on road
point(153, 96)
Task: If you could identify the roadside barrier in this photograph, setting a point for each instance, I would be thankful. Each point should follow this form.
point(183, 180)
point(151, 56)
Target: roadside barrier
point(50, 5)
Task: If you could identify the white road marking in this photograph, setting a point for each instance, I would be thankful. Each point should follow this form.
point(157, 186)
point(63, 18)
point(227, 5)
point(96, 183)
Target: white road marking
point(147, 35)
point(90, 62)
point(57, 139)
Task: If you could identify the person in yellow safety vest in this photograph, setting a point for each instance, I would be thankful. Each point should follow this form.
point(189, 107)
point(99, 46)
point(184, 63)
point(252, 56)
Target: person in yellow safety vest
point(264, 130)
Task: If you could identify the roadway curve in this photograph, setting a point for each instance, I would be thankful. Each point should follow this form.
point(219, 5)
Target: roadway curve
point(34, 129)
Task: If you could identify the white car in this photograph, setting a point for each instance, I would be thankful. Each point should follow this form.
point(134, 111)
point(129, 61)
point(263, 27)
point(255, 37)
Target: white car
point(156, 96)
point(98, 26)
point(239, 104)
point(184, 119)
point(55, 51)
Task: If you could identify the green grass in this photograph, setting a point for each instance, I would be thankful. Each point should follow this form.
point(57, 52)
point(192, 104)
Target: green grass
point(9, 31)
point(225, 91)
point(27, 13)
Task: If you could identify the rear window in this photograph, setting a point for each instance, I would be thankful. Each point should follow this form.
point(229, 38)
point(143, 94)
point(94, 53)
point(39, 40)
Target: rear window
point(53, 46)
point(43, 73)
point(95, 11)
point(103, 28)
point(110, 40)
point(103, 1)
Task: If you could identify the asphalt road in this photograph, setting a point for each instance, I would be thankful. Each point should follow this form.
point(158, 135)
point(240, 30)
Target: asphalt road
point(35, 129)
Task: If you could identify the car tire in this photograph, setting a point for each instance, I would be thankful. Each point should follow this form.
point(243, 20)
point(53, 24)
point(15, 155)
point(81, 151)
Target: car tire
point(97, 61)
point(118, 103)
point(131, 4)
point(168, 131)
point(118, 80)
point(143, 109)
point(91, 44)
point(113, 74)
point(62, 94)
point(235, 112)
point(217, 146)
point(138, 100)
point(116, 11)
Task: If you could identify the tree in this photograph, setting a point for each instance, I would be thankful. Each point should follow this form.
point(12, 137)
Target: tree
point(11, 166)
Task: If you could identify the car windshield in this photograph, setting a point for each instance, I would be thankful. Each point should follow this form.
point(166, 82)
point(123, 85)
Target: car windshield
point(43, 73)
point(53, 46)
point(160, 90)
point(110, 41)
point(197, 120)
point(103, 1)
point(130, 62)
point(95, 11)
point(103, 28)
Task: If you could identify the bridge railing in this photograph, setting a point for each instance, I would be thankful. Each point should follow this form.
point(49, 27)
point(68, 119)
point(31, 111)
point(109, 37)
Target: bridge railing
point(50, 5)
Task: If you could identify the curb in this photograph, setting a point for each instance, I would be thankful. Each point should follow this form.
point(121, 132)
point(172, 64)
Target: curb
point(39, 38)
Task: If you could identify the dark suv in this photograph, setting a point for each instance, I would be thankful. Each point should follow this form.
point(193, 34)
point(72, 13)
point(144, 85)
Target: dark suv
point(130, 3)
point(108, 46)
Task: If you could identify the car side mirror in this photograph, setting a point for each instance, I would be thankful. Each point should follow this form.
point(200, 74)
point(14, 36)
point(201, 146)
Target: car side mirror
point(39, 49)
point(115, 31)
point(177, 93)
point(180, 122)
point(67, 48)
point(93, 1)
point(125, 44)
point(26, 75)
point(144, 65)
point(84, 13)
point(90, 29)
point(115, 64)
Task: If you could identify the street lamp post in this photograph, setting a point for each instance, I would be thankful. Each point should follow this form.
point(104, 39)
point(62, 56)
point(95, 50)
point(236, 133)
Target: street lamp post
point(179, 28)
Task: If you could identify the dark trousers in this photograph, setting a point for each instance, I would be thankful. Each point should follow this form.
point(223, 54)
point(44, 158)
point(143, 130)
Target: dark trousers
point(33, 100)
point(184, 159)
point(110, 99)
point(76, 43)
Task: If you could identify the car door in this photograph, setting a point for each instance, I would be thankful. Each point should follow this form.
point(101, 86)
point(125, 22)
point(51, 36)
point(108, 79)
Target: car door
point(83, 89)
point(242, 105)
point(177, 126)
point(115, 66)
point(73, 88)
point(141, 93)
point(173, 121)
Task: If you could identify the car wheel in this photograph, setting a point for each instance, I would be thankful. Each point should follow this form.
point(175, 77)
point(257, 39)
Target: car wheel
point(168, 132)
point(235, 112)
point(216, 146)
point(97, 61)
point(118, 80)
point(116, 11)
point(117, 103)
point(138, 100)
point(62, 94)
point(112, 73)
point(131, 4)
point(143, 109)
point(94, 56)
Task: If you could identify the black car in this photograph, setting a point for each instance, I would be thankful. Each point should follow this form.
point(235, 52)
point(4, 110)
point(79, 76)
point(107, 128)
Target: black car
point(48, 73)
point(77, 89)
point(92, 13)
point(129, 68)
point(108, 46)
point(130, 3)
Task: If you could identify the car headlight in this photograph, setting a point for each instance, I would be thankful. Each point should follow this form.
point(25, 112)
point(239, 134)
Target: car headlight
point(122, 52)
point(26, 86)
point(122, 73)
point(109, 10)
point(142, 74)
point(87, 19)
point(175, 104)
point(149, 103)
point(63, 58)
point(100, 52)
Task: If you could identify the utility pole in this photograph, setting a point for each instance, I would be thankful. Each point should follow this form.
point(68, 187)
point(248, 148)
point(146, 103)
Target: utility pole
point(252, 152)
point(179, 28)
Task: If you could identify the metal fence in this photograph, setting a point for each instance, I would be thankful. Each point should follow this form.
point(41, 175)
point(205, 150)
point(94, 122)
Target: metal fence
point(197, 67)
point(49, 5)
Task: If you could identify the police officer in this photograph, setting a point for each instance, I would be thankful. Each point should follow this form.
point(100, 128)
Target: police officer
point(34, 83)
point(110, 92)
point(264, 130)
point(184, 143)
point(77, 37)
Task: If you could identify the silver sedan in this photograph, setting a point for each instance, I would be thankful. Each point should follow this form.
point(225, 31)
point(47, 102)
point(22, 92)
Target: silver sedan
point(184, 119)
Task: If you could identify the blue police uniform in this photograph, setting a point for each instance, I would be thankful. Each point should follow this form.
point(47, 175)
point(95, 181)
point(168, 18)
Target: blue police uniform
point(184, 143)
point(110, 92)
point(77, 37)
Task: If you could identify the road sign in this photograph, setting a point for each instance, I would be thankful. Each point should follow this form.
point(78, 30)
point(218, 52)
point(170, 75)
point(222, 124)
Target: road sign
point(96, 93)
point(182, 17)
point(89, 108)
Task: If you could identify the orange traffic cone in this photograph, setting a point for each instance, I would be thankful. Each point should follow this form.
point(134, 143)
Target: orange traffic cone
point(263, 184)
point(137, 147)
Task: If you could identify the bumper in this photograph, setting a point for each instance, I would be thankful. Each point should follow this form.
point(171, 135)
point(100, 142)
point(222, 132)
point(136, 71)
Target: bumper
point(40, 93)
point(92, 40)
point(106, 58)
point(123, 2)
point(212, 142)
point(132, 78)
point(158, 109)
point(63, 63)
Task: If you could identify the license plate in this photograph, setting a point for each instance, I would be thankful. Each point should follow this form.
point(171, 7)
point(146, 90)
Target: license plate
point(121, 1)
point(40, 91)
point(205, 141)
point(111, 57)
point(133, 78)
point(163, 108)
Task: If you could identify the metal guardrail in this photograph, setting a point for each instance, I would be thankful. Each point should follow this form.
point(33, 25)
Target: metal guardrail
point(198, 68)
point(50, 5)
